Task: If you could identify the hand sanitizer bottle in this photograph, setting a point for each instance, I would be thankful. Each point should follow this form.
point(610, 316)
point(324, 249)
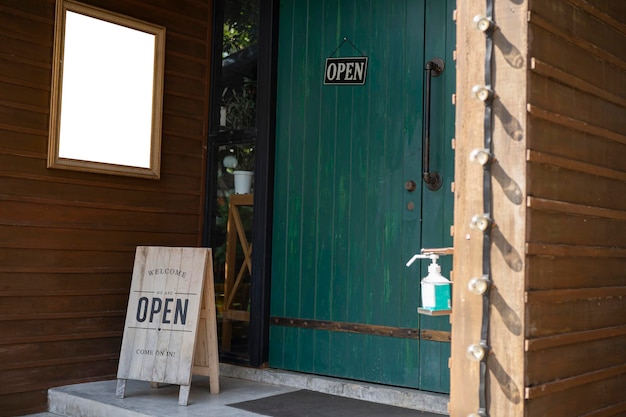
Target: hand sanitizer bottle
point(435, 287)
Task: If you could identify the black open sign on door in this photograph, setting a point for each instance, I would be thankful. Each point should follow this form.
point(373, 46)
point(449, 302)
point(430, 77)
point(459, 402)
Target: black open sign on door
point(348, 70)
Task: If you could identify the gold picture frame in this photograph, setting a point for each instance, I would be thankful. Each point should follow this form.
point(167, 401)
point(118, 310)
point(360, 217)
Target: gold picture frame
point(107, 92)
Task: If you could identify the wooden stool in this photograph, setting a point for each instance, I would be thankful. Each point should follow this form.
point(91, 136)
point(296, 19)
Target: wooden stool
point(235, 234)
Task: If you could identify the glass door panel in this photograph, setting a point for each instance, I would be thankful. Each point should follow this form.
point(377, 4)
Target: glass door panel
point(231, 170)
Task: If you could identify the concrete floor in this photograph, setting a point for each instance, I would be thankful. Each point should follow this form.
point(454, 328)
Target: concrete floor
point(237, 384)
point(98, 399)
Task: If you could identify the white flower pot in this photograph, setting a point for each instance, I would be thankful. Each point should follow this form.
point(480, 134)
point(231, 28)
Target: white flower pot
point(243, 181)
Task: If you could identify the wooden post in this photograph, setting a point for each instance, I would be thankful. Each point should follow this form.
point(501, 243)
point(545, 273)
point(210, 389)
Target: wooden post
point(170, 288)
point(466, 311)
point(505, 361)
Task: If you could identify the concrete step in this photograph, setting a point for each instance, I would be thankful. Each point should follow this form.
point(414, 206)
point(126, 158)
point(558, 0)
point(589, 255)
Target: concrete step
point(383, 394)
point(237, 384)
point(97, 399)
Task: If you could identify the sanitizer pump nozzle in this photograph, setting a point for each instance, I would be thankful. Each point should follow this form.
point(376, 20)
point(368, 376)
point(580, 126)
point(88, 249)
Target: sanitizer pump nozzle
point(435, 287)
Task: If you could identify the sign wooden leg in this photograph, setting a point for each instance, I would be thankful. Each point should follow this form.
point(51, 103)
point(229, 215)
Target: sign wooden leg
point(183, 394)
point(206, 360)
point(120, 390)
point(211, 332)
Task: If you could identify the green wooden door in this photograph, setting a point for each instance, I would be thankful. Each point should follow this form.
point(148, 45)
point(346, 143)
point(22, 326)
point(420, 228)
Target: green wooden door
point(342, 301)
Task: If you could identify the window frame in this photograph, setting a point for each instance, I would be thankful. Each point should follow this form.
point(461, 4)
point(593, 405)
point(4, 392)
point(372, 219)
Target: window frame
point(55, 160)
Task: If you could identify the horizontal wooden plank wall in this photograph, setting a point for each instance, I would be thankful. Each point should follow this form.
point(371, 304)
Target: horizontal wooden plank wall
point(67, 239)
point(576, 250)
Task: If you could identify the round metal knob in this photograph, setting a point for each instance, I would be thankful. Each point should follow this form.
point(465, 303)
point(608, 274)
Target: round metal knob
point(410, 186)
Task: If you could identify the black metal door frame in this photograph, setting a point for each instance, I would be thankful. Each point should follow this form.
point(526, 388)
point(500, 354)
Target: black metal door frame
point(264, 167)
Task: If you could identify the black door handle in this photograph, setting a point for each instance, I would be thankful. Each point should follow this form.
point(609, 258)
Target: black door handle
point(433, 181)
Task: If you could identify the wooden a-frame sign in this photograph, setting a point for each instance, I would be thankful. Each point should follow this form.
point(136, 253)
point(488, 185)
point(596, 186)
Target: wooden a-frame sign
point(171, 329)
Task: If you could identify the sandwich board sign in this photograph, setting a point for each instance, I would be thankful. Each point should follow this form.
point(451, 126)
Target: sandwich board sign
point(163, 317)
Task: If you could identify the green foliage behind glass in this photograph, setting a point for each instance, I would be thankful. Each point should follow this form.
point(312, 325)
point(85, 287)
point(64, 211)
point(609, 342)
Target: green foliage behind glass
point(240, 25)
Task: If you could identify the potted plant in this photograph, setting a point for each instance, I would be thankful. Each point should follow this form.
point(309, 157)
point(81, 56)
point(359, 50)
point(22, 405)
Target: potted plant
point(240, 162)
point(239, 106)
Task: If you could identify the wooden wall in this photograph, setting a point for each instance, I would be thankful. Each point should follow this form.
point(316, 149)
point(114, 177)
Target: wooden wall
point(558, 315)
point(576, 250)
point(67, 239)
